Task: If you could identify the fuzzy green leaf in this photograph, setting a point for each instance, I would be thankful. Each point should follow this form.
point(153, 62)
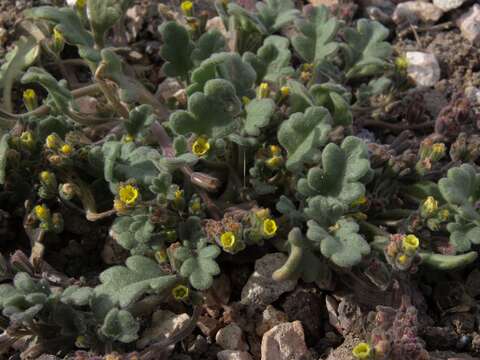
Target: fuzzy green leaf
point(139, 119)
point(123, 285)
point(366, 52)
point(120, 325)
point(275, 14)
point(336, 99)
point(302, 134)
point(134, 232)
point(461, 187)
point(343, 246)
point(75, 295)
point(103, 14)
point(259, 113)
point(210, 113)
point(317, 41)
point(176, 50)
point(67, 22)
point(463, 235)
point(209, 43)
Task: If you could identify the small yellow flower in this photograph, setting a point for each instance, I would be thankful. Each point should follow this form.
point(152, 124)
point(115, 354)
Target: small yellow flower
point(228, 240)
point(119, 206)
point(285, 91)
point(47, 177)
point(128, 138)
point(430, 205)
point(27, 139)
point(187, 7)
point(161, 256)
point(30, 99)
point(66, 149)
point(200, 146)
point(81, 341)
point(438, 149)
point(402, 259)
point(410, 243)
point(196, 206)
point(401, 63)
point(245, 100)
point(274, 162)
point(264, 90)
point(269, 227)
point(53, 141)
point(362, 351)
point(444, 214)
point(362, 200)
point(42, 212)
point(275, 150)
point(128, 194)
point(180, 292)
point(80, 4)
point(178, 195)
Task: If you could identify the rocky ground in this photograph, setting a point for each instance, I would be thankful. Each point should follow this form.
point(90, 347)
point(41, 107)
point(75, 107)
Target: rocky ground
point(248, 315)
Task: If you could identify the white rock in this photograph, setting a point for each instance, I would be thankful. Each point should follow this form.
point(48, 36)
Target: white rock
point(233, 355)
point(415, 11)
point(473, 94)
point(469, 24)
point(231, 338)
point(285, 342)
point(260, 289)
point(164, 324)
point(447, 5)
point(423, 68)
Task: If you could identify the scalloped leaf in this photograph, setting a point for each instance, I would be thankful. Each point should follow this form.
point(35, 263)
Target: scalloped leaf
point(210, 113)
point(103, 14)
point(259, 113)
point(302, 134)
point(120, 325)
point(139, 120)
point(343, 246)
point(176, 50)
point(275, 14)
point(461, 186)
point(463, 235)
point(209, 43)
point(317, 41)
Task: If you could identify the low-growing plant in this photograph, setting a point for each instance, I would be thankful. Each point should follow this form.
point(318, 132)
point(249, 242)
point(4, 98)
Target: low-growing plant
point(258, 146)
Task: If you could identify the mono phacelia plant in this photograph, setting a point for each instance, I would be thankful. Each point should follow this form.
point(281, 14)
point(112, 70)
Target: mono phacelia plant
point(257, 148)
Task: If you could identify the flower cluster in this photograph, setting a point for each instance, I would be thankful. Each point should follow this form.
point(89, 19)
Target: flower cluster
point(402, 252)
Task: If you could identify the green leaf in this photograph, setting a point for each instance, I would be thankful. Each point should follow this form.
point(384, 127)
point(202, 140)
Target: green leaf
point(302, 261)
point(103, 14)
point(343, 246)
point(123, 285)
point(210, 113)
point(317, 41)
point(134, 232)
point(62, 98)
point(272, 60)
point(259, 113)
point(302, 134)
point(75, 295)
point(343, 170)
point(209, 43)
point(176, 50)
point(120, 325)
point(461, 186)
point(336, 99)
point(25, 53)
point(139, 120)
point(463, 235)
point(275, 14)
point(3, 157)
point(66, 21)
point(227, 66)
point(366, 52)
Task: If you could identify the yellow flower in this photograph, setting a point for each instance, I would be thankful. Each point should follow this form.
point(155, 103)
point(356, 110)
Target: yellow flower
point(245, 100)
point(42, 212)
point(119, 206)
point(161, 256)
point(30, 99)
point(187, 7)
point(269, 227)
point(402, 259)
point(274, 162)
point(80, 4)
point(362, 200)
point(430, 205)
point(196, 206)
point(178, 195)
point(444, 214)
point(275, 150)
point(180, 292)
point(401, 63)
point(285, 91)
point(263, 90)
point(200, 146)
point(410, 243)
point(362, 351)
point(128, 194)
point(128, 138)
point(438, 149)
point(47, 177)
point(52, 141)
point(228, 240)
point(27, 139)
point(66, 149)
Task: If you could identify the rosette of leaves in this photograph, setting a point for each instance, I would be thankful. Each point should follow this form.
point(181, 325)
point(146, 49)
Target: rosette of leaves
point(196, 258)
point(302, 134)
point(272, 60)
point(210, 113)
point(461, 190)
point(331, 188)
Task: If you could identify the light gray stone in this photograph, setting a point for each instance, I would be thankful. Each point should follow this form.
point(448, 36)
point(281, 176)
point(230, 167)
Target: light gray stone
point(423, 68)
point(469, 24)
point(416, 11)
point(447, 5)
point(233, 355)
point(231, 338)
point(285, 342)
